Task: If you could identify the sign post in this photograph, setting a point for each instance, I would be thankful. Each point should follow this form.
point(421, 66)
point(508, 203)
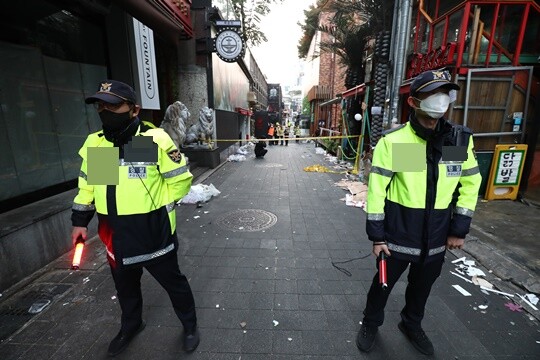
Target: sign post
point(146, 66)
point(505, 173)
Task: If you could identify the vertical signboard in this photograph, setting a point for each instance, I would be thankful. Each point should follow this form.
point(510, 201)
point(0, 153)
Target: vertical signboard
point(146, 66)
point(505, 173)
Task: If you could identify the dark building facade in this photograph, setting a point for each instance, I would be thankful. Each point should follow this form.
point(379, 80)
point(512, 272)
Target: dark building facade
point(54, 53)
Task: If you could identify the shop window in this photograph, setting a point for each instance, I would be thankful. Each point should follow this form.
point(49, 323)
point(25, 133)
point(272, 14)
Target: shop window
point(50, 60)
point(423, 36)
point(504, 35)
point(438, 34)
point(530, 50)
point(430, 7)
point(454, 24)
point(508, 25)
point(447, 5)
point(485, 25)
point(412, 34)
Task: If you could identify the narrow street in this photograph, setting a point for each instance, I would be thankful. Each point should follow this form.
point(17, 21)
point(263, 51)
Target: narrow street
point(259, 259)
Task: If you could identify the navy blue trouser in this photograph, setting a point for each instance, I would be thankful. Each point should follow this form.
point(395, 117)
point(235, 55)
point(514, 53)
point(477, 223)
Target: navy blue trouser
point(420, 280)
point(167, 273)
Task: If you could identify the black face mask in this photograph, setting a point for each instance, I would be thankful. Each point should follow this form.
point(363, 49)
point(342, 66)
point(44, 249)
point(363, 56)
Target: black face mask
point(115, 121)
point(114, 124)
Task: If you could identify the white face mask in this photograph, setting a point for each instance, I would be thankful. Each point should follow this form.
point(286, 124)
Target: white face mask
point(435, 106)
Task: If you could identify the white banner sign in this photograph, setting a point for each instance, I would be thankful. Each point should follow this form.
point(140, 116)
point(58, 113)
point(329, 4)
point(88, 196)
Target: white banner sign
point(146, 66)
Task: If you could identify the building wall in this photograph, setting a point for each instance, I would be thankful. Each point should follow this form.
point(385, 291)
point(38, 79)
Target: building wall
point(259, 85)
point(54, 55)
point(331, 72)
point(312, 64)
point(192, 82)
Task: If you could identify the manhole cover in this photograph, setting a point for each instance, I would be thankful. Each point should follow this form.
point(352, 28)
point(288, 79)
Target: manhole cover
point(16, 311)
point(270, 165)
point(247, 220)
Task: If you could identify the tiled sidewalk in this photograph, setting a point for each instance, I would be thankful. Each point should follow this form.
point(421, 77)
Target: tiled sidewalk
point(272, 293)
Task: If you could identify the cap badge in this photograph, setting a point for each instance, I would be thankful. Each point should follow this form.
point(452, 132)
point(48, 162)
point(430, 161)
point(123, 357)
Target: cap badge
point(105, 87)
point(439, 75)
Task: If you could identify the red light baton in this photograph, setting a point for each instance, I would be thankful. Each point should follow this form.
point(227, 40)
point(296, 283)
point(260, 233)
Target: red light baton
point(382, 270)
point(79, 247)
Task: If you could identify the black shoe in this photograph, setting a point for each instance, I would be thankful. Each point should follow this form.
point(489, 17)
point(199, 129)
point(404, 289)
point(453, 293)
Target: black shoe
point(418, 338)
point(366, 338)
point(191, 341)
point(121, 341)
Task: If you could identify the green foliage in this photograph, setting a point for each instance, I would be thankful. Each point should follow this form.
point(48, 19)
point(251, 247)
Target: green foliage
point(311, 22)
point(353, 24)
point(330, 145)
point(306, 106)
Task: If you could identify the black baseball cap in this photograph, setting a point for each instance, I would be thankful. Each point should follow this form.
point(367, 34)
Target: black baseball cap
point(113, 92)
point(431, 80)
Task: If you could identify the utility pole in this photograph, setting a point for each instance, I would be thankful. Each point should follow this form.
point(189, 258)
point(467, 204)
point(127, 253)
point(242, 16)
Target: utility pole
point(402, 24)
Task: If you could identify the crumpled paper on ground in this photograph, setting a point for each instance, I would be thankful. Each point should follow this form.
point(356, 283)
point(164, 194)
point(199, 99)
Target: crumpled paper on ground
point(357, 193)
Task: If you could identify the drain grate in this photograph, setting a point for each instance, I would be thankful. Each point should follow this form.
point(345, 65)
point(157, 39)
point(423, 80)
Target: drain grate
point(247, 220)
point(14, 312)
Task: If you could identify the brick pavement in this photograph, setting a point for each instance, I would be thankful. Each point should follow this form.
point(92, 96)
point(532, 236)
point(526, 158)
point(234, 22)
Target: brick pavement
point(281, 274)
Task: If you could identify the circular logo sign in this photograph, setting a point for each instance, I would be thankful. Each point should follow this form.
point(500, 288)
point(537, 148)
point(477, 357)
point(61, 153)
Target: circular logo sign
point(229, 45)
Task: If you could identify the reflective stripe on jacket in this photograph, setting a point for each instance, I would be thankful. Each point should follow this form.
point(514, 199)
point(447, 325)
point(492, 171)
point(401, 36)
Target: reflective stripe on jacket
point(410, 191)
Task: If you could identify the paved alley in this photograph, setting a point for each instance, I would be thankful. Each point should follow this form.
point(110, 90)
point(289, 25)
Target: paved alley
point(259, 259)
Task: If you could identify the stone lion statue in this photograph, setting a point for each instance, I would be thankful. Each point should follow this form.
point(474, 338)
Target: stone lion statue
point(203, 129)
point(174, 122)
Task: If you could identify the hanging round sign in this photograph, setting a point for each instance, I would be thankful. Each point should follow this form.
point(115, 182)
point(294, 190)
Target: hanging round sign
point(229, 45)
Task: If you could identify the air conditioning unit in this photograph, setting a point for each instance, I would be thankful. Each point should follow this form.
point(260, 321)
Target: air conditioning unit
point(251, 97)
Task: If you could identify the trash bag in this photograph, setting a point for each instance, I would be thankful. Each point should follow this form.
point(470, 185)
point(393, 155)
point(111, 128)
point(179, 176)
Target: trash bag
point(200, 193)
point(246, 149)
point(236, 158)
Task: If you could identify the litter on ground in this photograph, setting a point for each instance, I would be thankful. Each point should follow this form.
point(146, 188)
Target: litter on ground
point(514, 307)
point(462, 290)
point(321, 169)
point(236, 158)
point(200, 193)
point(533, 299)
point(496, 291)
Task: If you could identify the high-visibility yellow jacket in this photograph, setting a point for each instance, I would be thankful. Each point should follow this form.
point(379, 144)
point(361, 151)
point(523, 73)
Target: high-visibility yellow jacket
point(137, 220)
point(413, 211)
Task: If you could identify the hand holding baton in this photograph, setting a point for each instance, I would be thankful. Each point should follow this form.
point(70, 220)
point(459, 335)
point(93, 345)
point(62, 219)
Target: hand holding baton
point(382, 270)
point(79, 247)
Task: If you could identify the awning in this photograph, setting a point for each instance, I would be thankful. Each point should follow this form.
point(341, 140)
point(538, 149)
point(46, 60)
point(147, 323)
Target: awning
point(169, 18)
point(330, 102)
point(243, 111)
point(319, 92)
point(357, 90)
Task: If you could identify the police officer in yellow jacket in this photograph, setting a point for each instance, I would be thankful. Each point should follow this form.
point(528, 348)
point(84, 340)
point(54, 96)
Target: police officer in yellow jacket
point(422, 193)
point(135, 210)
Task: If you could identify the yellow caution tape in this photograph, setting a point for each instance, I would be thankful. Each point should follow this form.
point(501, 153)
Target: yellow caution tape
point(291, 138)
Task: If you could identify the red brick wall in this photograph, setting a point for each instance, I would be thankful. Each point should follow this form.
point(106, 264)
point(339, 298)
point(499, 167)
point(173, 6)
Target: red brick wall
point(330, 68)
